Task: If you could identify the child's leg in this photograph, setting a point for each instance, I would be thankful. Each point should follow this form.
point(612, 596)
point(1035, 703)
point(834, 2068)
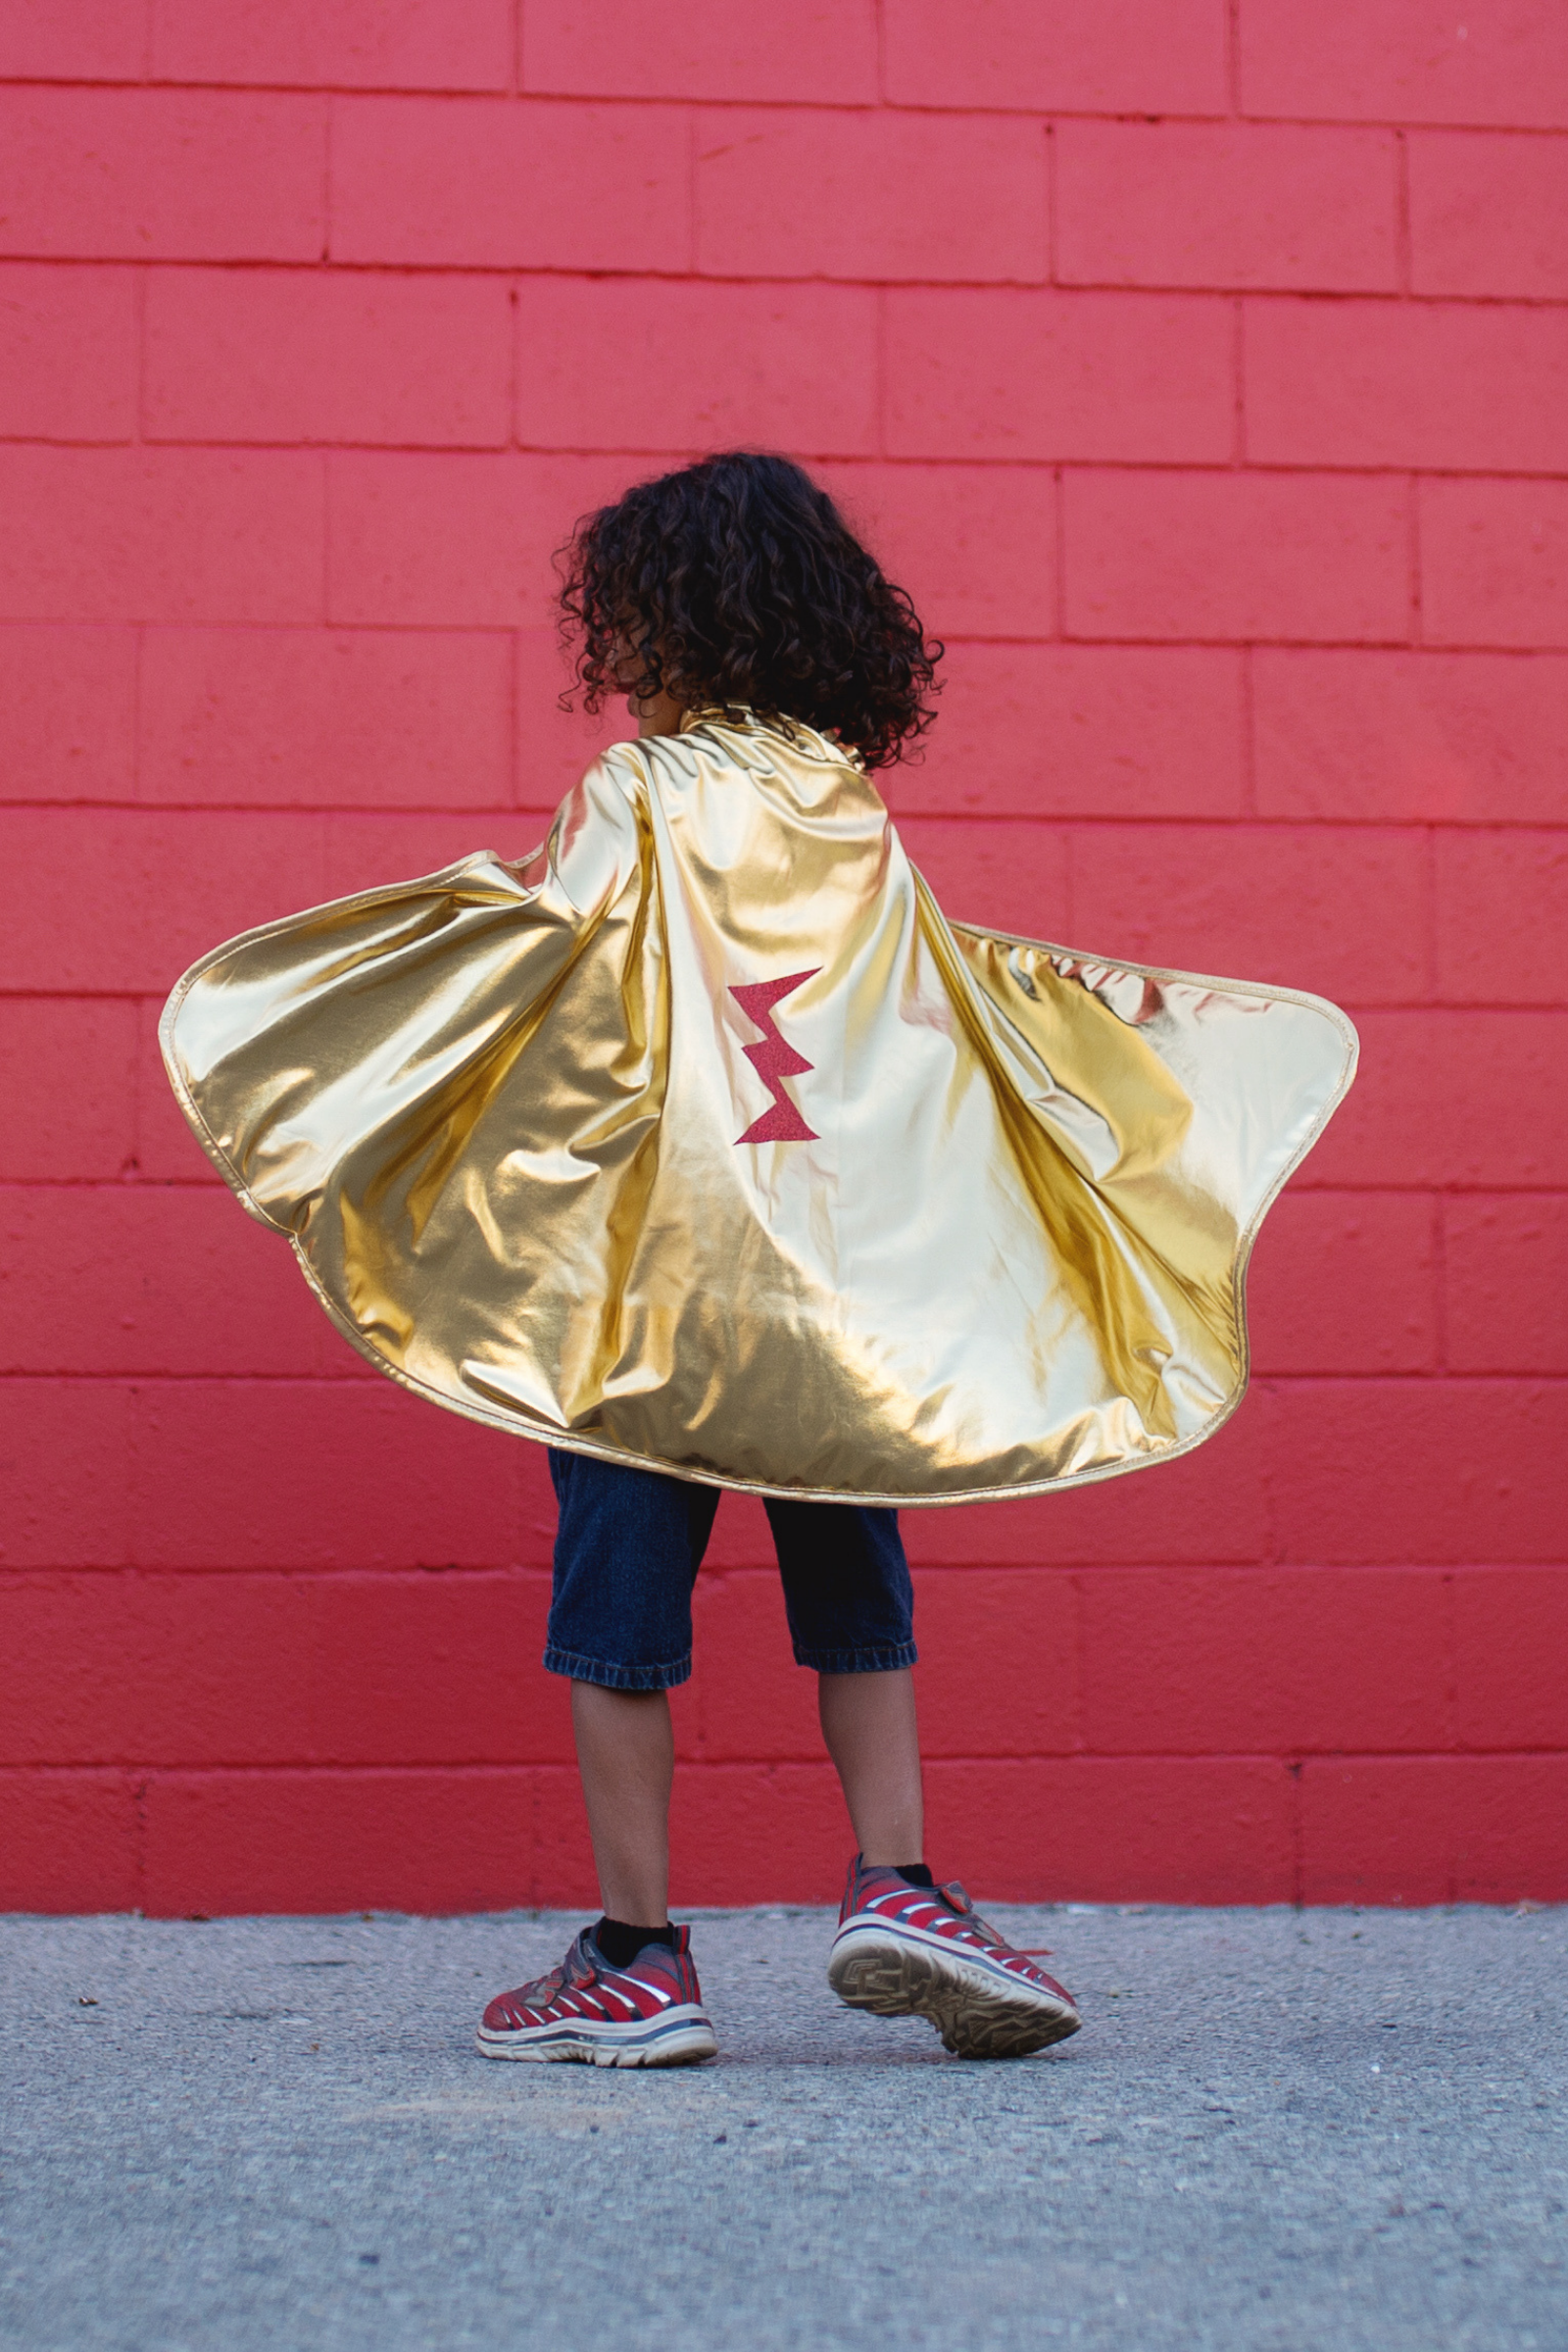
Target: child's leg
point(627, 1549)
point(626, 1755)
point(868, 1722)
point(905, 1947)
point(851, 1608)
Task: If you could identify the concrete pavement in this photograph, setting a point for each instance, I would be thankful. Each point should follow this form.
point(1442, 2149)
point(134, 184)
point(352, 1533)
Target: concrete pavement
point(1334, 2130)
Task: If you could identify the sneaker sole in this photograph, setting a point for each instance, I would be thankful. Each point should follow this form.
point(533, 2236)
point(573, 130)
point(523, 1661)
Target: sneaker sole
point(684, 2038)
point(976, 2016)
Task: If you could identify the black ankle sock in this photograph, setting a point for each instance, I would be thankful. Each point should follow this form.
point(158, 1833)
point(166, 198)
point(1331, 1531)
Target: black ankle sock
point(918, 1874)
point(620, 1942)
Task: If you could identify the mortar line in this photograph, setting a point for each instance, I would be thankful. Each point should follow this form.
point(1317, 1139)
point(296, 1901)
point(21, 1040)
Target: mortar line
point(1248, 725)
point(137, 662)
point(1233, 56)
point(1053, 232)
point(1440, 1279)
point(1058, 477)
point(692, 238)
point(329, 118)
point(138, 309)
point(515, 362)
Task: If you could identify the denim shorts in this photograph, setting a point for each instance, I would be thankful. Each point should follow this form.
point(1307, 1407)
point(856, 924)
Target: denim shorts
point(629, 1543)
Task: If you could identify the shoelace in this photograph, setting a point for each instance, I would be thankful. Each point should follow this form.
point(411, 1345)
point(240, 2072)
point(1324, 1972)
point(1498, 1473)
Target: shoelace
point(953, 1897)
point(970, 1927)
point(967, 1910)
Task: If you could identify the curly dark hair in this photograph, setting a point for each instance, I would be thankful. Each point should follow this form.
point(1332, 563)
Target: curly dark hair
point(736, 584)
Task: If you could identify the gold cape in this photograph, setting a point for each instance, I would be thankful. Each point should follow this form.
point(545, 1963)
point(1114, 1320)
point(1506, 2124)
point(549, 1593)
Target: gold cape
point(699, 1140)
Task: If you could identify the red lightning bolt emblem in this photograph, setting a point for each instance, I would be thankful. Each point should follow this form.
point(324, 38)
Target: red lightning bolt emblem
point(773, 1062)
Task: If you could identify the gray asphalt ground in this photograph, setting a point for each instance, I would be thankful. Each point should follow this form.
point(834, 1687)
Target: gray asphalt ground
point(1278, 2129)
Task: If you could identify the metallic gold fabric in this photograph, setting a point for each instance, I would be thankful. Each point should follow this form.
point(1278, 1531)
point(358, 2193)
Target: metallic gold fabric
point(990, 1237)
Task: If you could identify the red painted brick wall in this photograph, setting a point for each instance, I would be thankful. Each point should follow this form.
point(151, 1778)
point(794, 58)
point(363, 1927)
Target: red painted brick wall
point(1203, 371)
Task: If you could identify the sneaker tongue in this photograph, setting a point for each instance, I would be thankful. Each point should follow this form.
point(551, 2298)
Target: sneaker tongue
point(955, 1896)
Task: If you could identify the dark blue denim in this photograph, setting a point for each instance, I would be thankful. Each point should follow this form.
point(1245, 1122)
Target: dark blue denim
point(628, 1545)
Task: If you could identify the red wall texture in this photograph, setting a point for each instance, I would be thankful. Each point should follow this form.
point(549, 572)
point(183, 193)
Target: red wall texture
point(1204, 374)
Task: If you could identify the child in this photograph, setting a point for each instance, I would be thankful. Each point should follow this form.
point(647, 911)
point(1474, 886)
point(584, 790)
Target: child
point(701, 1146)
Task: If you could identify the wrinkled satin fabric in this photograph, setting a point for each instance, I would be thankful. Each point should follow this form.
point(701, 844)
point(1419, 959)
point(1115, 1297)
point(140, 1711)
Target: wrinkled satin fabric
point(950, 1215)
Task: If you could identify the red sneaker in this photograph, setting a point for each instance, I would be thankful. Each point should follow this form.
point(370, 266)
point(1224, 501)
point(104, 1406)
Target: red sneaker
point(918, 1951)
point(649, 2014)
